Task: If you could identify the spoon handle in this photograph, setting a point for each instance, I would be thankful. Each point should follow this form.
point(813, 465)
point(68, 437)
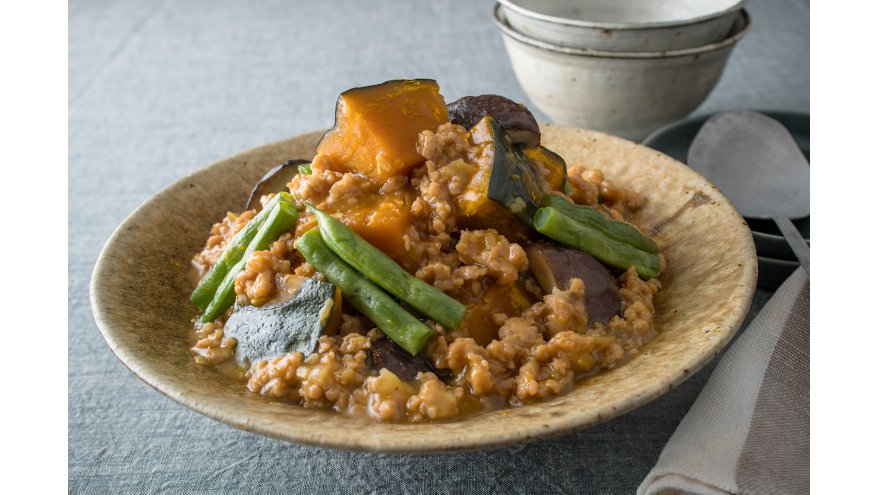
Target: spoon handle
point(795, 240)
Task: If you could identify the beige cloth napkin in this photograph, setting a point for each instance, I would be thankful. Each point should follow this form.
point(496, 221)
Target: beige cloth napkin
point(749, 430)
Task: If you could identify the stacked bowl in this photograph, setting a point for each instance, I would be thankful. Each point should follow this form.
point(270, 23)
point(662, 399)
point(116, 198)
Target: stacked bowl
point(625, 68)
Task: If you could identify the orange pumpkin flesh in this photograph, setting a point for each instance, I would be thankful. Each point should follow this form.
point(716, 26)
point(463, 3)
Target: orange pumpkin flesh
point(375, 134)
point(553, 163)
point(377, 127)
point(383, 223)
point(475, 209)
point(478, 322)
point(380, 220)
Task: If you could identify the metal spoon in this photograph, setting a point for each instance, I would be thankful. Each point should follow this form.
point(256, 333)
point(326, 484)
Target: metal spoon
point(756, 163)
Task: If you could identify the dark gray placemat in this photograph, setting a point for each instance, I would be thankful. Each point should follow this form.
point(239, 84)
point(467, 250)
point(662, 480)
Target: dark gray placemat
point(158, 89)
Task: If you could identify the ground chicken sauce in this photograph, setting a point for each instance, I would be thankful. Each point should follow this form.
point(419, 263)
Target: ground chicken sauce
point(515, 344)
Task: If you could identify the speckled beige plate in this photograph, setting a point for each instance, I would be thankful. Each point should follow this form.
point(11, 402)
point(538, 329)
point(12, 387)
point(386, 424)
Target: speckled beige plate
point(143, 278)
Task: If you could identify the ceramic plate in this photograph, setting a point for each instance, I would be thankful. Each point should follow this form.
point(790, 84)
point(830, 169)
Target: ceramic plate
point(143, 277)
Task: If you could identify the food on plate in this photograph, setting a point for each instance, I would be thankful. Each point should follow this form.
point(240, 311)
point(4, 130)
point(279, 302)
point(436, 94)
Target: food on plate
point(516, 120)
point(232, 253)
point(276, 180)
point(376, 127)
point(555, 266)
point(383, 271)
point(431, 261)
point(281, 218)
point(560, 227)
point(307, 308)
point(378, 306)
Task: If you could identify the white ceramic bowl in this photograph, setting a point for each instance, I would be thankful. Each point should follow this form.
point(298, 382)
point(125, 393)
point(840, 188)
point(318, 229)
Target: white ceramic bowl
point(628, 94)
point(630, 25)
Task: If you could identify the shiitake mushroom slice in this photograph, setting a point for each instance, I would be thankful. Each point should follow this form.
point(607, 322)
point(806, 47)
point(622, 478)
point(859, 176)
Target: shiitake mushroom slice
point(554, 265)
point(274, 181)
point(384, 353)
point(514, 118)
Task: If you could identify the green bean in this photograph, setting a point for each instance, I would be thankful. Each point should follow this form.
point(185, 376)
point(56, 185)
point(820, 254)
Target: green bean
point(555, 225)
point(619, 231)
point(386, 273)
point(280, 219)
point(398, 324)
point(207, 287)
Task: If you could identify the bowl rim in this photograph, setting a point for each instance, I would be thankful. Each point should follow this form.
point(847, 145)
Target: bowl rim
point(157, 381)
point(506, 30)
point(621, 26)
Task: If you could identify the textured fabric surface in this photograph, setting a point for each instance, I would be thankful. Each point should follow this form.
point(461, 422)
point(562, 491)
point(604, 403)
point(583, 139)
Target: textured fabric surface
point(748, 432)
point(158, 89)
point(776, 455)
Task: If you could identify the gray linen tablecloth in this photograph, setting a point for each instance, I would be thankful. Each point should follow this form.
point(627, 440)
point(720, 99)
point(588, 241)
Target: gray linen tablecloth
point(158, 89)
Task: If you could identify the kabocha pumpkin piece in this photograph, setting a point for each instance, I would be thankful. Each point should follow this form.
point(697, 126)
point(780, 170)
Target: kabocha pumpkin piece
point(557, 172)
point(479, 321)
point(384, 222)
point(504, 192)
point(515, 182)
point(291, 326)
point(377, 126)
point(477, 211)
point(513, 117)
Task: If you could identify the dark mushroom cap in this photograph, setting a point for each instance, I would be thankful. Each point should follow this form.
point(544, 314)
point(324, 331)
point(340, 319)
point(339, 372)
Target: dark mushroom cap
point(384, 353)
point(554, 265)
point(274, 181)
point(514, 118)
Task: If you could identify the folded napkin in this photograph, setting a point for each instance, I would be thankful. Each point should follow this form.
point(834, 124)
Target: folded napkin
point(749, 430)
